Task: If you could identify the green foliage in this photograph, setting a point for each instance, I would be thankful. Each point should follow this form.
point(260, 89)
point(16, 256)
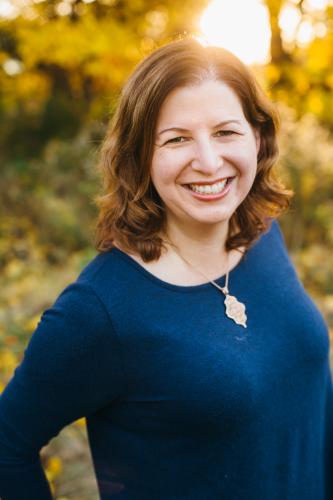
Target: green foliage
point(307, 163)
point(300, 75)
point(71, 61)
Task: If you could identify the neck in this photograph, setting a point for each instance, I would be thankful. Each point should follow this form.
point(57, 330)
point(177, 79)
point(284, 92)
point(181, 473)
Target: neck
point(204, 248)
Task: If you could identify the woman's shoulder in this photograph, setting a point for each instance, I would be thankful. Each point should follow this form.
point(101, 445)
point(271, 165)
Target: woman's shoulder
point(272, 237)
point(269, 249)
point(102, 266)
point(276, 231)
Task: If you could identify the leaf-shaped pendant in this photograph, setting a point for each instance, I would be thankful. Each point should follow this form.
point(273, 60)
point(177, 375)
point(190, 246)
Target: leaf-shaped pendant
point(235, 310)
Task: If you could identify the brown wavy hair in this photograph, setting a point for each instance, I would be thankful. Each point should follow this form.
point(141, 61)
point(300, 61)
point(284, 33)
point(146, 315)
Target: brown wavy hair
point(131, 213)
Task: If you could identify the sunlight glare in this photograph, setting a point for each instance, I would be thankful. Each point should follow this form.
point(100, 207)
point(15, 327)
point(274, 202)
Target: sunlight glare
point(241, 26)
point(305, 33)
point(8, 10)
point(12, 67)
point(320, 30)
point(289, 20)
point(315, 4)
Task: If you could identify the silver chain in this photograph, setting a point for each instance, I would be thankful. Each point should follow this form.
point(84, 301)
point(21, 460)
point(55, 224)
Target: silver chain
point(223, 289)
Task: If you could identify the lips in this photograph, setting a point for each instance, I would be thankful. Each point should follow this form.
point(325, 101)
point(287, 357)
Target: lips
point(207, 188)
point(208, 183)
point(210, 188)
point(210, 192)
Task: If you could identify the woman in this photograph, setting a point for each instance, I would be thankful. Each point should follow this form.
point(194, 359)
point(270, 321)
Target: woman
point(188, 342)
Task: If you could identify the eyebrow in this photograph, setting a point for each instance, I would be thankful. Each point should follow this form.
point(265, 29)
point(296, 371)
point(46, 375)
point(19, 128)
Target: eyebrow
point(179, 129)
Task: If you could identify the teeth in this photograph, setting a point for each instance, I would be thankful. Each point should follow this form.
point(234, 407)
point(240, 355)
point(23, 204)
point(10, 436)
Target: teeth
point(209, 188)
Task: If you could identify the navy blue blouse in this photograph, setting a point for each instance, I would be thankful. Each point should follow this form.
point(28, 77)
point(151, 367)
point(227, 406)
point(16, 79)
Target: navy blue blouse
point(181, 403)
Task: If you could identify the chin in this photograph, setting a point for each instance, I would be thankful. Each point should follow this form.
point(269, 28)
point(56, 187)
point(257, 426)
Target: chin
point(212, 220)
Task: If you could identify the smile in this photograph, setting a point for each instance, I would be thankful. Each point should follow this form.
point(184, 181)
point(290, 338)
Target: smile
point(209, 188)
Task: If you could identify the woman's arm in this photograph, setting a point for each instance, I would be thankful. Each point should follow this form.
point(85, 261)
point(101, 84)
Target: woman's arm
point(70, 369)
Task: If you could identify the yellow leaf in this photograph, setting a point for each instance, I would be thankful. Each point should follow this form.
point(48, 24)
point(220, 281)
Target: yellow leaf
point(8, 361)
point(31, 324)
point(315, 103)
point(81, 422)
point(53, 468)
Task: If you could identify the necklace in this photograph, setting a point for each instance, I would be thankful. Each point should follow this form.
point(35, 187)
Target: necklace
point(234, 309)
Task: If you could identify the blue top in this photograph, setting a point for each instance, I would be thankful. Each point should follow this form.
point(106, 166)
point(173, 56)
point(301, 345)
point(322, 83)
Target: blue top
point(181, 403)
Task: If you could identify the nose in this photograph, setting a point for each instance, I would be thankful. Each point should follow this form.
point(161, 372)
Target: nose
point(207, 158)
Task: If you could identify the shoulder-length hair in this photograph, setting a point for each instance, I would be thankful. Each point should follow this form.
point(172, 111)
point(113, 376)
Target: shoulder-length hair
point(131, 213)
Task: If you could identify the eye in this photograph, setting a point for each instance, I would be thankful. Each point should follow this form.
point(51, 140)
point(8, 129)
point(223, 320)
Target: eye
point(224, 133)
point(176, 140)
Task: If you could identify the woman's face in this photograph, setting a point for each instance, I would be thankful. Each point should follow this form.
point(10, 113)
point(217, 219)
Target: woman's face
point(205, 154)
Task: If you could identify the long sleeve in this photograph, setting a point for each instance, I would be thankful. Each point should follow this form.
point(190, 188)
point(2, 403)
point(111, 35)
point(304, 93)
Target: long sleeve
point(71, 368)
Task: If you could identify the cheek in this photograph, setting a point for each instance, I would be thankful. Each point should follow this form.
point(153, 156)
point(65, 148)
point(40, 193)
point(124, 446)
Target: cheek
point(159, 176)
point(165, 168)
point(247, 170)
point(246, 164)
point(241, 151)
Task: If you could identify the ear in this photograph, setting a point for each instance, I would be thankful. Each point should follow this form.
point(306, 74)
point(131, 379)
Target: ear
point(258, 139)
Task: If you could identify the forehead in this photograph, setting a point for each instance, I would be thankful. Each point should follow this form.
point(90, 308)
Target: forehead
point(210, 99)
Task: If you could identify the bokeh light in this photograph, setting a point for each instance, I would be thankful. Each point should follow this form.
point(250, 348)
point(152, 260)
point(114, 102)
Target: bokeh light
point(241, 26)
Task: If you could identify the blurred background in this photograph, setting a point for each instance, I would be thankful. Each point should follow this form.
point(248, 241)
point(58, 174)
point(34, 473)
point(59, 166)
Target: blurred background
point(62, 64)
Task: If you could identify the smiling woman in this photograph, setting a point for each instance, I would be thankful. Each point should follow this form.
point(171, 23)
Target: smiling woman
point(188, 392)
point(205, 87)
point(216, 156)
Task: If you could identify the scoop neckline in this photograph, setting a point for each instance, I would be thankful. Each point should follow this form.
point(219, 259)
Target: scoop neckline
point(180, 288)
